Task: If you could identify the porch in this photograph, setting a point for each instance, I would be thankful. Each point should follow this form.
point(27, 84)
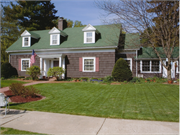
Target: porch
point(50, 61)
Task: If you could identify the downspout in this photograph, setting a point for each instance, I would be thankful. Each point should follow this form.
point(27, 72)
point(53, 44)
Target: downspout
point(136, 63)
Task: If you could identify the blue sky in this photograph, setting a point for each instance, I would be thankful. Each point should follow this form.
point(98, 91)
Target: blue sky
point(81, 10)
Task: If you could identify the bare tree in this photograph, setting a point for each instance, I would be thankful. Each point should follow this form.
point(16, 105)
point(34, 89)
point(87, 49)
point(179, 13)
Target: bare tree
point(155, 20)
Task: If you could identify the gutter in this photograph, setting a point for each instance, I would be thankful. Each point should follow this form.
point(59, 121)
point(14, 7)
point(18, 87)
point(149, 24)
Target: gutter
point(64, 49)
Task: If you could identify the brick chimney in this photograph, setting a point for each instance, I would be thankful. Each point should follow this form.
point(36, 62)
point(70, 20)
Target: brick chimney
point(62, 24)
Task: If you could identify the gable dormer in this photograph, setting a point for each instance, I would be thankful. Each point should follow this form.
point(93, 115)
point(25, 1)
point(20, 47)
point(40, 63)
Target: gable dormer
point(54, 36)
point(26, 38)
point(89, 34)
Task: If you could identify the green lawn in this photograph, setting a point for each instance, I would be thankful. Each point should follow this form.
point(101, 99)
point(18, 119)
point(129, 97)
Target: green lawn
point(147, 101)
point(6, 83)
point(14, 131)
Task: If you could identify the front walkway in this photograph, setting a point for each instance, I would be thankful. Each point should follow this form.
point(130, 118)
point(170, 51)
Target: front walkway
point(64, 124)
point(2, 90)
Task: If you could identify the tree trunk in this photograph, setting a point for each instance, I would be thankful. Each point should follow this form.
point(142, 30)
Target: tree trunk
point(169, 73)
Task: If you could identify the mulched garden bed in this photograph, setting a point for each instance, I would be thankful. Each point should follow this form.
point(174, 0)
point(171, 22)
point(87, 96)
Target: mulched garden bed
point(19, 99)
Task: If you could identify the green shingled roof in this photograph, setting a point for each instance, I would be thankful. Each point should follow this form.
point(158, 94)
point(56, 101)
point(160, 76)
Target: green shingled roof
point(109, 36)
point(132, 41)
point(148, 52)
point(35, 35)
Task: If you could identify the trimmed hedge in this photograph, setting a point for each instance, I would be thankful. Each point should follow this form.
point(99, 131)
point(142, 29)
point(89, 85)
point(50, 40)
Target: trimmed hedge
point(121, 71)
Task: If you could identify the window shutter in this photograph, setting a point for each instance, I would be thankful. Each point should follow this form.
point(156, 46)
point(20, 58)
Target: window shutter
point(97, 64)
point(80, 64)
point(19, 64)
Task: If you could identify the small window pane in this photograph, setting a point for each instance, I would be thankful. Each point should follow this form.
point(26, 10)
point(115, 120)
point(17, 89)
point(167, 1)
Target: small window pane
point(25, 64)
point(89, 34)
point(88, 64)
point(145, 65)
point(155, 65)
point(26, 43)
point(89, 40)
point(54, 39)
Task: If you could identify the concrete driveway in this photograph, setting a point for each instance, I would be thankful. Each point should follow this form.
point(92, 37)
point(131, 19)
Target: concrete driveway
point(64, 124)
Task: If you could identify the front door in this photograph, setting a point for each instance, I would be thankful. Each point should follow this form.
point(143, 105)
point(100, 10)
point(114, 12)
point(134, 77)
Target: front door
point(172, 70)
point(55, 63)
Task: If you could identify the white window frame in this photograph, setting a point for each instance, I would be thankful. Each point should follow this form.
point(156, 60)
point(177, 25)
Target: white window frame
point(150, 67)
point(94, 64)
point(130, 62)
point(29, 41)
point(22, 65)
point(58, 39)
point(85, 37)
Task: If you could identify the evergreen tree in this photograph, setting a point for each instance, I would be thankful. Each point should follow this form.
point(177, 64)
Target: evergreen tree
point(9, 34)
point(32, 15)
point(121, 71)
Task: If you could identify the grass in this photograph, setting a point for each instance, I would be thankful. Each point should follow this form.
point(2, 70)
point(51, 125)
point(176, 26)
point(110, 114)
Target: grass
point(14, 131)
point(6, 83)
point(147, 101)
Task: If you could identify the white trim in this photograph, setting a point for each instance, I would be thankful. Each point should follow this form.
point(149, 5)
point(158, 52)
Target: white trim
point(89, 27)
point(54, 30)
point(21, 63)
point(150, 67)
point(25, 33)
point(58, 39)
point(63, 51)
point(69, 49)
point(93, 37)
point(130, 62)
point(29, 41)
point(83, 58)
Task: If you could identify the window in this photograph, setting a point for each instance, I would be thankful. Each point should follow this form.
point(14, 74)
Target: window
point(89, 37)
point(89, 64)
point(54, 39)
point(150, 66)
point(129, 62)
point(26, 42)
point(155, 65)
point(145, 65)
point(25, 63)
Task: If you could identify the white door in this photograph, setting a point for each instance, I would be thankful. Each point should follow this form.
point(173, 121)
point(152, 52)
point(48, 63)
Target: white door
point(172, 70)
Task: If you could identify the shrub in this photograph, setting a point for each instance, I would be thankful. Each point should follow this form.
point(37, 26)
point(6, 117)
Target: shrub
point(28, 78)
point(56, 72)
point(85, 79)
point(108, 79)
point(19, 90)
point(7, 70)
point(135, 79)
point(33, 71)
point(121, 71)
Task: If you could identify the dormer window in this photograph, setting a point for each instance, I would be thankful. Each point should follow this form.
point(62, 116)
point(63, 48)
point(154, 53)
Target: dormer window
point(26, 38)
point(89, 34)
point(89, 37)
point(26, 41)
point(54, 39)
point(54, 36)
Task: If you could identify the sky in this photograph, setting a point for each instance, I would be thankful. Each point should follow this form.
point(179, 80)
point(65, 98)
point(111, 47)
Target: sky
point(81, 10)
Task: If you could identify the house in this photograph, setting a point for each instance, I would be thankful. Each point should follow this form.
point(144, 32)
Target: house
point(84, 52)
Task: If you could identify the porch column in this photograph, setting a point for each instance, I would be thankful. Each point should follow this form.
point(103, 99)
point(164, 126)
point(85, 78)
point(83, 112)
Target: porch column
point(41, 68)
point(59, 61)
point(44, 67)
point(63, 66)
